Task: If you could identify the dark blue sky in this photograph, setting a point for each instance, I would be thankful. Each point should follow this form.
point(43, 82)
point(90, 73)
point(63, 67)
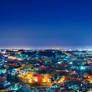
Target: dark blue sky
point(43, 23)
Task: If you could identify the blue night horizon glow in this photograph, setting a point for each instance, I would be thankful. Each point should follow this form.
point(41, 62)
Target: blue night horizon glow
point(45, 23)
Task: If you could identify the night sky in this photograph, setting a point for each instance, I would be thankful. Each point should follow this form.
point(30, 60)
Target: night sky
point(45, 23)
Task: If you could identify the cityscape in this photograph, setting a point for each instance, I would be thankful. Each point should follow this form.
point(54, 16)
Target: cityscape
point(48, 70)
point(45, 45)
